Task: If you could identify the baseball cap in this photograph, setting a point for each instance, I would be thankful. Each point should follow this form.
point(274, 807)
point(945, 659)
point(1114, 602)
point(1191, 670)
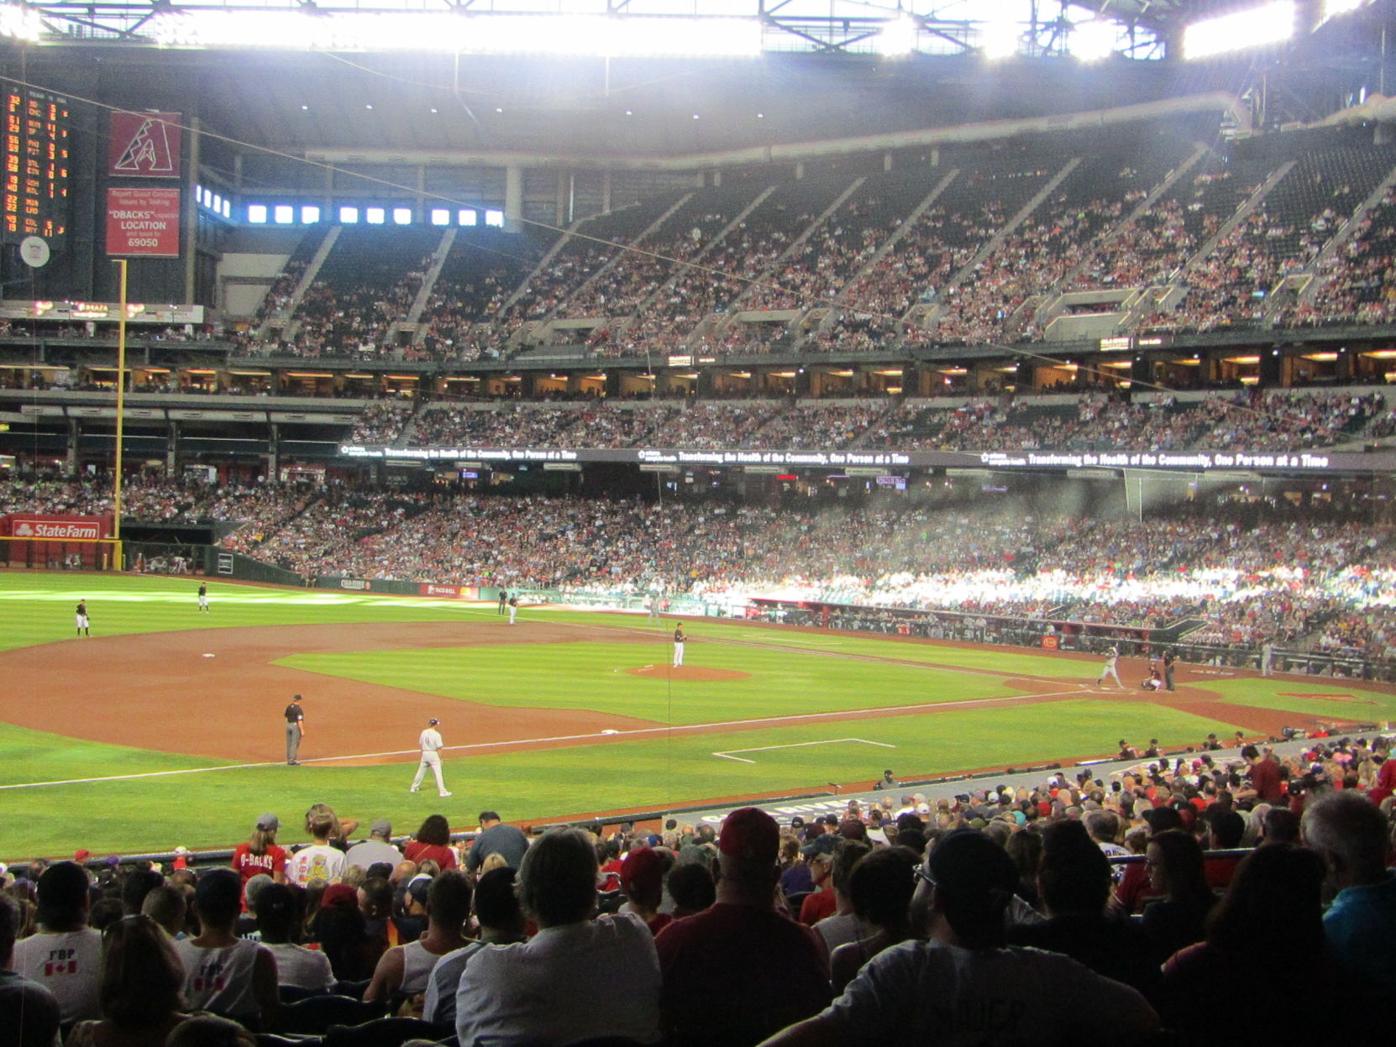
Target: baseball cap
point(419, 888)
point(820, 846)
point(339, 895)
point(643, 867)
point(268, 822)
point(382, 827)
point(750, 833)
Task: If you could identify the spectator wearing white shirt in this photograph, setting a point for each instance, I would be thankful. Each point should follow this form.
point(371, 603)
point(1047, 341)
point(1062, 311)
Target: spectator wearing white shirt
point(65, 956)
point(578, 978)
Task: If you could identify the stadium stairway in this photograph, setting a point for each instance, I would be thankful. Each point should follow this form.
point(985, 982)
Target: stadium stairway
point(992, 245)
point(284, 318)
point(1310, 290)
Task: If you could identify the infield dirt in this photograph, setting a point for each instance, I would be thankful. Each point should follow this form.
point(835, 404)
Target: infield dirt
point(164, 692)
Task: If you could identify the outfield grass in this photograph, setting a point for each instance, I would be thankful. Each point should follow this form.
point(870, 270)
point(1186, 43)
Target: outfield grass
point(789, 672)
point(586, 675)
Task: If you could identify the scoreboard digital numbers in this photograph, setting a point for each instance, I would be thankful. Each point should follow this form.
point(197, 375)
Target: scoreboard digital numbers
point(35, 200)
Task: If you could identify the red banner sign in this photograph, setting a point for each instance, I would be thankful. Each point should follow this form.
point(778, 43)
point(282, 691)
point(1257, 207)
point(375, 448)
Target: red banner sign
point(429, 589)
point(72, 528)
point(144, 145)
point(143, 221)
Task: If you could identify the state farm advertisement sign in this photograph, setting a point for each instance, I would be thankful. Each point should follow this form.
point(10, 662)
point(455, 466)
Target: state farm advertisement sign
point(143, 220)
point(72, 528)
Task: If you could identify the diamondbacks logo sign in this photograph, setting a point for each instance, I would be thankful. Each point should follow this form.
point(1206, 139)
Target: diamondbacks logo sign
point(144, 145)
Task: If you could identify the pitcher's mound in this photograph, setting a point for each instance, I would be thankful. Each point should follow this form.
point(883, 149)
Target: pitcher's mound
point(687, 672)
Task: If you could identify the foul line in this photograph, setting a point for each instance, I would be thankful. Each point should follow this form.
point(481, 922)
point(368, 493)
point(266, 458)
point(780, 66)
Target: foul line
point(727, 754)
point(607, 734)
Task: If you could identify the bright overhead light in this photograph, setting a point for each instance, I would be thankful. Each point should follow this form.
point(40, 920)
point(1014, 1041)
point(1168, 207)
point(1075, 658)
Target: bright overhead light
point(999, 38)
point(1095, 40)
point(20, 23)
point(1268, 24)
point(602, 36)
point(898, 37)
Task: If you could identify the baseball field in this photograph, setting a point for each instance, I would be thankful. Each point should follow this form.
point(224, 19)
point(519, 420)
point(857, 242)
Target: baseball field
point(165, 727)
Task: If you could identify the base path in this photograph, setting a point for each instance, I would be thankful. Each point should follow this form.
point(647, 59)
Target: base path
point(164, 692)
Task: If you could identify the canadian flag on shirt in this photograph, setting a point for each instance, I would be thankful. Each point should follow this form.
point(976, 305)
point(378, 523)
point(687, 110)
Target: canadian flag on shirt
point(53, 967)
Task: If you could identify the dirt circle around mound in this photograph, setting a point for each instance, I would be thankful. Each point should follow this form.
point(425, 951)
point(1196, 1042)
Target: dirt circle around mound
point(693, 673)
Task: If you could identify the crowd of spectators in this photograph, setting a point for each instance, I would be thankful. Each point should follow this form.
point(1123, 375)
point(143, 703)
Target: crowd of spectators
point(1242, 575)
point(382, 422)
point(1095, 904)
point(1253, 420)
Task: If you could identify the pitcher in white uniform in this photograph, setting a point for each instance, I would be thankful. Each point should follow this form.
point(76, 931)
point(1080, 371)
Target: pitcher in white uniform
point(431, 744)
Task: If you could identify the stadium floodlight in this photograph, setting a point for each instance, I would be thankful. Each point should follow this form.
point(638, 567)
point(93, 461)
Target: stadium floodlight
point(310, 214)
point(465, 216)
point(440, 216)
point(283, 214)
point(375, 215)
point(402, 216)
point(257, 214)
point(1262, 26)
point(348, 216)
point(1095, 40)
point(897, 38)
point(589, 35)
point(999, 38)
point(20, 23)
point(494, 218)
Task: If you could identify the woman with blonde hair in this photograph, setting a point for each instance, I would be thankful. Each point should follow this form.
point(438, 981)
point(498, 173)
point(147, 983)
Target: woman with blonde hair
point(321, 862)
point(140, 991)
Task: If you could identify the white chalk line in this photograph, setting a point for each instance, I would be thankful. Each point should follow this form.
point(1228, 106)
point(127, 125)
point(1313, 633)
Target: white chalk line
point(728, 754)
point(626, 732)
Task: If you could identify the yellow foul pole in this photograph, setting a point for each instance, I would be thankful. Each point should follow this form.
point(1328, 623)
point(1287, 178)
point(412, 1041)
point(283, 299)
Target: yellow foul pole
point(120, 402)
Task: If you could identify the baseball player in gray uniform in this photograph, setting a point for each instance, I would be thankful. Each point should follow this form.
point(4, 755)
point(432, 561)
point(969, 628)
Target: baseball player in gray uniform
point(431, 745)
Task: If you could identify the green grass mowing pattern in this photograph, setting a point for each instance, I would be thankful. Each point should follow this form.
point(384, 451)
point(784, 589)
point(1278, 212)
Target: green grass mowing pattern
point(1279, 694)
point(218, 808)
point(591, 676)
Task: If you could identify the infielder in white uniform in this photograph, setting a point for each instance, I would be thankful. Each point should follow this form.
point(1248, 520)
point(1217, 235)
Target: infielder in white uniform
point(431, 743)
point(679, 639)
point(1111, 657)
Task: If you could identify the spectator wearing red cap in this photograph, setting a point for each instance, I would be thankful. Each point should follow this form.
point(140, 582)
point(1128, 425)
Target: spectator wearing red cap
point(740, 970)
point(642, 878)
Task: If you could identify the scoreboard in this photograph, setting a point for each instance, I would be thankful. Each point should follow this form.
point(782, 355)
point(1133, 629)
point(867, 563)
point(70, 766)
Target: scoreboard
point(34, 196)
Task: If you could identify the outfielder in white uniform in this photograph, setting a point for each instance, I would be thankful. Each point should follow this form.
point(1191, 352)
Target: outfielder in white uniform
point(431, 744)
point(679, 639)
point(1111, 657)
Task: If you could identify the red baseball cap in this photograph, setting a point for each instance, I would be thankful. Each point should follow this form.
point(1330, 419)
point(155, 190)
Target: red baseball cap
point(643, 867)
point(750, 833)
